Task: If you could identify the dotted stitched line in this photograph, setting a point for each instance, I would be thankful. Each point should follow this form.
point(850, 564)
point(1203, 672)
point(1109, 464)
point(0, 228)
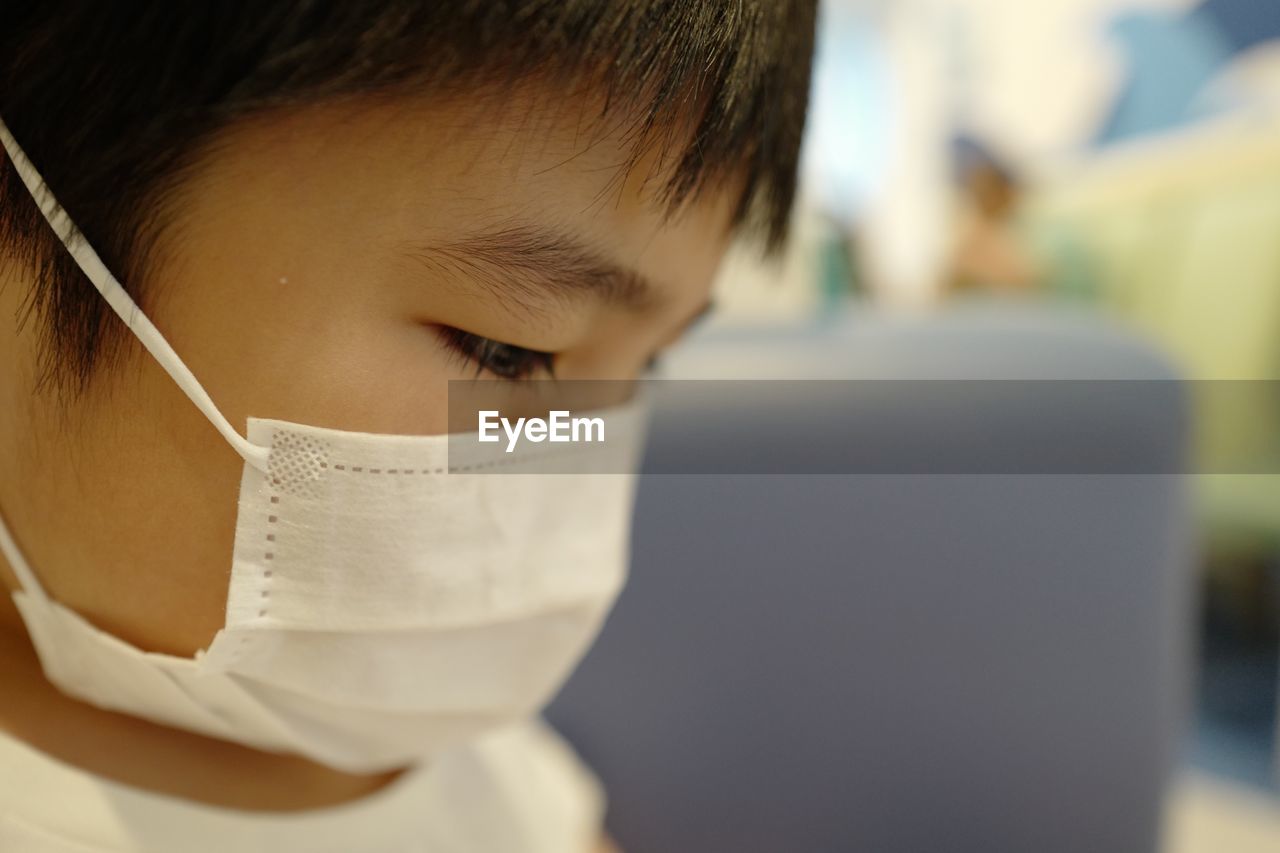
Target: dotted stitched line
point(270, 553)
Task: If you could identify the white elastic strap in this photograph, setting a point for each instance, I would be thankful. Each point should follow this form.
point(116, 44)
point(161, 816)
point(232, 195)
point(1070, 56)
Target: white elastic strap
point(120, 301)
point(26, 578)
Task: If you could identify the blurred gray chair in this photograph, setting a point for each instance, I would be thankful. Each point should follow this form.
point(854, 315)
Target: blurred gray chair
point(888, 663)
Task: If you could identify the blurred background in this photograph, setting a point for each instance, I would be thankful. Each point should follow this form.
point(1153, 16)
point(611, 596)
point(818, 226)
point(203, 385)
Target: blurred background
point(1113, 158)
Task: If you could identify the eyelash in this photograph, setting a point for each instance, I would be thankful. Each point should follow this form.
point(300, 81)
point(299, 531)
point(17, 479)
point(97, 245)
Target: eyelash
point(506, 361)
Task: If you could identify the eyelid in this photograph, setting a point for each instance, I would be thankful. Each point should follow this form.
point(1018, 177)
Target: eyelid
point(478, 350)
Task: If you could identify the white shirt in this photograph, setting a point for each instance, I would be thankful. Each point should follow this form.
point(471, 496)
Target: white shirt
point(520, 790)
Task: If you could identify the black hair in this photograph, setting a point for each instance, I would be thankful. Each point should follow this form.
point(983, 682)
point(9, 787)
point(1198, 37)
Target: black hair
point(114, 102)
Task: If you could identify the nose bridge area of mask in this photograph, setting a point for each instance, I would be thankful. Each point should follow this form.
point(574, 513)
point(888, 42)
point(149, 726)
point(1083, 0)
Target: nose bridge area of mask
point(122, 303)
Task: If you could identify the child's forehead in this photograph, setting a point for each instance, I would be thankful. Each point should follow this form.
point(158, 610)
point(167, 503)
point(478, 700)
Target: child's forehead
point(472, 193)
point(480, 161)
point(534, 134)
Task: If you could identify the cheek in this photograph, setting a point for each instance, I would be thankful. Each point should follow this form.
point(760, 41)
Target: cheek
point(136, 528)
point(128, 519)
point(324, 348)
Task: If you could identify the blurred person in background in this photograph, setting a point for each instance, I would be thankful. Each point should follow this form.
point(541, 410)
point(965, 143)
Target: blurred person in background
point(988, 255)
point(318, 213)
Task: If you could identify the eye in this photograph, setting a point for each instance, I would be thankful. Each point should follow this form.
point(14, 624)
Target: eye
point(506, 361)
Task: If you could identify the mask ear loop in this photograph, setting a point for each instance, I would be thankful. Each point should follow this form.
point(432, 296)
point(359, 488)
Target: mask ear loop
point(123, 305)
point(26, 578)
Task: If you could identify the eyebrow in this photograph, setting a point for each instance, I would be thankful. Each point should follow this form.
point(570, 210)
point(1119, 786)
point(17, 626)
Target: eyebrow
point(536, 269)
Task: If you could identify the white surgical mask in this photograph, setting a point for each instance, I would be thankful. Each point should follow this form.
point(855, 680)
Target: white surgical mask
point(381, 607)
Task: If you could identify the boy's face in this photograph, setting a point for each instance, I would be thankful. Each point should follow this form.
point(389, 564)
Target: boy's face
point(315, 262)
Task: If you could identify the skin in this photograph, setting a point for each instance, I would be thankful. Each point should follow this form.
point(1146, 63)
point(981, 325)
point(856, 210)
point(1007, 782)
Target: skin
point(294, 286)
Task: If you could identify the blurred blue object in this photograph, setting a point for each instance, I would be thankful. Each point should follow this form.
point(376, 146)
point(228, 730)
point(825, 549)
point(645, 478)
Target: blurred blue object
point(1245, 23)
point(1170, 58)
point(899, 664)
